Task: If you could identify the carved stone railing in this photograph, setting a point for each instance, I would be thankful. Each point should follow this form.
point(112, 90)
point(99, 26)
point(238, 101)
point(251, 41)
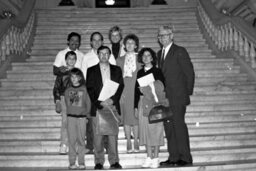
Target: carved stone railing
point(15, 33)
point(229, 33)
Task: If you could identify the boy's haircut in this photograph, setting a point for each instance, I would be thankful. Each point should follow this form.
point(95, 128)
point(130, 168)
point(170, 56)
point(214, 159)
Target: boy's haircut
point(72, 53)
point(134, 38)
point(115, 29)
point(74, 34)
point(101, 36)
point(104, 47)
point(78, 72)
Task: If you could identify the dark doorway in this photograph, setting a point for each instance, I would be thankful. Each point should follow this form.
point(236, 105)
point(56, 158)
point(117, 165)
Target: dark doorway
point(117, 4)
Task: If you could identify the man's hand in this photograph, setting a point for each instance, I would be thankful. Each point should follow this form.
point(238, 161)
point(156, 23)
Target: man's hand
point(106, 103)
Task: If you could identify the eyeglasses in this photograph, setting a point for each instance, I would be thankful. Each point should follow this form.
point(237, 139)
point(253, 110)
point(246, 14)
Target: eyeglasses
point(163, 35)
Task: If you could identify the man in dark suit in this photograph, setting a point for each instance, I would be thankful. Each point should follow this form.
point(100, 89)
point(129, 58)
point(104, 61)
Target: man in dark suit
point(96, 76)
point(178, 71)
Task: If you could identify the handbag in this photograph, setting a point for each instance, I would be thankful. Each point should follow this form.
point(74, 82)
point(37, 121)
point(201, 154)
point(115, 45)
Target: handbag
point(107, 121)
point(159, 113)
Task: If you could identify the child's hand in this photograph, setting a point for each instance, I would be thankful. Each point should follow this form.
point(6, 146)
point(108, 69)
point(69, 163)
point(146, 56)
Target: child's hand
point(63, 69)
point(136, 113)
point(58, 107)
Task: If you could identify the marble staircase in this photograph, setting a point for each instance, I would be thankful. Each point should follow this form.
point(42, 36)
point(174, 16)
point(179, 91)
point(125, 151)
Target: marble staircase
point(221, 118)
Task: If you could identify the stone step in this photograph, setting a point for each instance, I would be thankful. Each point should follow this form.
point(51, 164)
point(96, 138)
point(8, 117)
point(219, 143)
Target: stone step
point(48, 67)
point(199, 76)
point(60, 39)
point(192, 108)
point(48, 74)
point(159, 20)
point(197, 63)
point(91, 11)
point(31, 125)
point(191, 118)
point(53, 160)
point(218, 113)
point(46, 133)
point(51, 58)
point(150, 43)
point(26, 92)
point(55, 49)
point(38, 146)
point(49, 82)
point(49, 102)
point(144, 22)
point(195, 100)
point(121, 14)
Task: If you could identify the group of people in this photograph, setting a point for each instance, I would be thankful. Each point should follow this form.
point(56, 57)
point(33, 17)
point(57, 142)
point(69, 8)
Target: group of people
point(80, 80)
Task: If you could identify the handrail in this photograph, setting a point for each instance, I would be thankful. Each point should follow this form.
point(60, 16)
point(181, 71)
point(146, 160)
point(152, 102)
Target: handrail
point(20, 20)
point(15, 34)
point(228, 32)
point(219, 19)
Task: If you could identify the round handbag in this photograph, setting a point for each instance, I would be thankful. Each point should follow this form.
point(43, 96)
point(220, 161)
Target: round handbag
point(159, 113)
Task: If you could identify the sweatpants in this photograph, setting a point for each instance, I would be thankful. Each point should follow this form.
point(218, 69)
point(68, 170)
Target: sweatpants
point(76, 137)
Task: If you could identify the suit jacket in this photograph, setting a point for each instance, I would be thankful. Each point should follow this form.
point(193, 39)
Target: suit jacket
point(179, 75)
point(94, 85)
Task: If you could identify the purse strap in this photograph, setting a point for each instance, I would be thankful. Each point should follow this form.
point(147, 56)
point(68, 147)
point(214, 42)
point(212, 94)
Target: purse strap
point(112, 112)
point(154, 91)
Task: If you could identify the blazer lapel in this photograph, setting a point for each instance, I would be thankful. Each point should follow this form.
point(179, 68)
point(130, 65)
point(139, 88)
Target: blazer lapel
point(169, 54)
point(97, 72)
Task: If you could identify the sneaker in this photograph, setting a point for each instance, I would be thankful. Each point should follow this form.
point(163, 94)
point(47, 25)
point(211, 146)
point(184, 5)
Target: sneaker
point(147, 162)
point(72, 167)
point(63, 149)
point(154, 163)
point(81, 167)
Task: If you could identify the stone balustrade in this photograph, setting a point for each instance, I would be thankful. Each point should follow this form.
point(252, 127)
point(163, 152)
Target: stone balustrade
point(227, 36)
point(16, 39)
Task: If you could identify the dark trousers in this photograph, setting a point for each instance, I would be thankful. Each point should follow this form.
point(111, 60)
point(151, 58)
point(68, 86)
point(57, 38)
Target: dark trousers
point(176, 132)
point(89, 135)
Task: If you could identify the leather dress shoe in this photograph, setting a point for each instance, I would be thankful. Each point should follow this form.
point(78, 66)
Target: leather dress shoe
point(115, 166)
point(98, 166)
point(166, 163)
point(183, 163)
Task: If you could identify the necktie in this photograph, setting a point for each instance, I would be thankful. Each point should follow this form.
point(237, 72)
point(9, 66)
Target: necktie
point(162, 59)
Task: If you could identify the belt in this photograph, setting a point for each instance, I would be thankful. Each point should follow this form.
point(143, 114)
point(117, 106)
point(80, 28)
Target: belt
point(76, 116)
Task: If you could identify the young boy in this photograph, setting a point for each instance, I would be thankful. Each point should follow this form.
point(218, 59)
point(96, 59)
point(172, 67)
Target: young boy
point(62, 82)
point(78, 109)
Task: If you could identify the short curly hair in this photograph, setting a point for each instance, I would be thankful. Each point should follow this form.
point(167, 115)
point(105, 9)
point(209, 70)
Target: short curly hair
point(115, 29)
point(134, 38)
point(151, 51)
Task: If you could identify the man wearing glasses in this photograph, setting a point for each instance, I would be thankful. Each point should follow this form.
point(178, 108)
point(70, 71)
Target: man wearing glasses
point(178, 71)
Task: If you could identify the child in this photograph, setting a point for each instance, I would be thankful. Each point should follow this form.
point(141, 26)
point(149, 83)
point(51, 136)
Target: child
point(78, 108)
point(62, 82)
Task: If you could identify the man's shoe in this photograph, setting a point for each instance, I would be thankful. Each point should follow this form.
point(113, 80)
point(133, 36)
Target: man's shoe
point(183, 163)
point(98, 166)
point(167, 163)
point(116, 166)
